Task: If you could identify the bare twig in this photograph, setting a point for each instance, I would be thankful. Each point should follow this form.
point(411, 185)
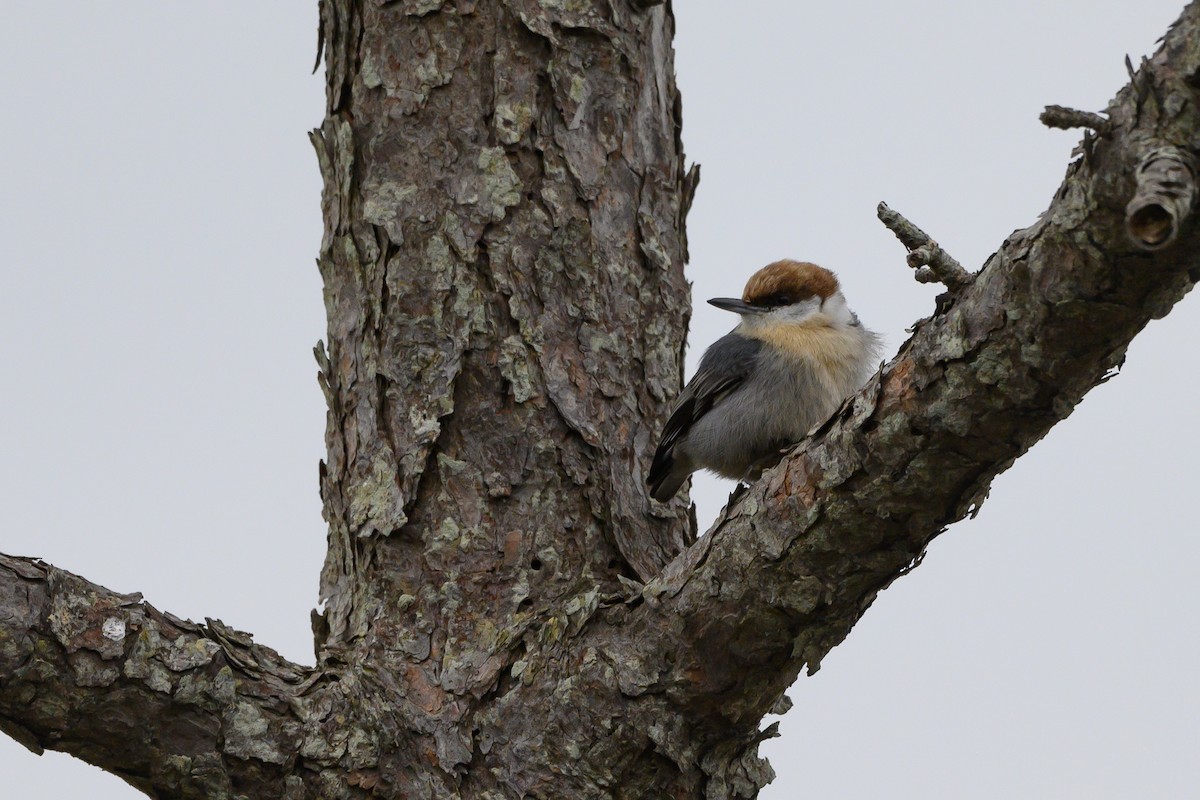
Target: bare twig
point(1166, 191)
point(932, 263)
point(1067, 118)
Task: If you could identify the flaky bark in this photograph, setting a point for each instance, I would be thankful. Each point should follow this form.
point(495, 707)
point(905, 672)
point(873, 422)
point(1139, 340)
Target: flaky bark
point(503, 264)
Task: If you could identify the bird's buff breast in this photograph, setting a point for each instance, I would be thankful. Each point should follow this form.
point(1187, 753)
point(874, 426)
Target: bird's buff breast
point(832, 353)
point(784, 399)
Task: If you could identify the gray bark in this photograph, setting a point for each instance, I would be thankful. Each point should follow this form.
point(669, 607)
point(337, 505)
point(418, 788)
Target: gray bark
point(506, 613)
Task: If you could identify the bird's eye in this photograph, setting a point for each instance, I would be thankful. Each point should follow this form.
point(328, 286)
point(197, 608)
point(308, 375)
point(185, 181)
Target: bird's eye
point(776, 300)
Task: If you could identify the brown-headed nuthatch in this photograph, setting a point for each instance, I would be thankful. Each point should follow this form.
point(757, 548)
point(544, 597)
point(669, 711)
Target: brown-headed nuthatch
point(797, 353)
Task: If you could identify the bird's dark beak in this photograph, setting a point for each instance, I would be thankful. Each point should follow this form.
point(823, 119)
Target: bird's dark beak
point(735, 305)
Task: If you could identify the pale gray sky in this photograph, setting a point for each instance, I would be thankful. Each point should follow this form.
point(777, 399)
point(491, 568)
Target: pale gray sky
point(159, 302)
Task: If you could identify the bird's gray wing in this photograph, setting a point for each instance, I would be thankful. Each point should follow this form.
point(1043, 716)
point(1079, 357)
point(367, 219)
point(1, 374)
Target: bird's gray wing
point(724, 367)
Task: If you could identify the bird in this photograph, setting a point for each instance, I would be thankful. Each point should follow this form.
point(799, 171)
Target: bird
point(797, 352)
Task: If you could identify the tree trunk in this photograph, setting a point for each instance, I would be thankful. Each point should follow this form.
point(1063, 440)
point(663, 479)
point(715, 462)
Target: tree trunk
point(506, 613)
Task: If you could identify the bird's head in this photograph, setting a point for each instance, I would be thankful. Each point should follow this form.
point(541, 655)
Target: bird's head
point(789, 292)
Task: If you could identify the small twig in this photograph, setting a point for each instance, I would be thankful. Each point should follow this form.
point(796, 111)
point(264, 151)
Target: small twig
point(1067, 118)
point(932, 263)
point(1166, 191)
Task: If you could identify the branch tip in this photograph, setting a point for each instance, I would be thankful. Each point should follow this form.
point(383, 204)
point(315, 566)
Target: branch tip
point(925, 275)
point(931, 262)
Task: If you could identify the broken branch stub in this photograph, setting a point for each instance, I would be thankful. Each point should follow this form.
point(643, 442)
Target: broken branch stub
point(1068, 118)
point(1165, 193)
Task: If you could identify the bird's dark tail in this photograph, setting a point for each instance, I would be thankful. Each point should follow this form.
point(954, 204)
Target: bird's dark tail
point(666, 476)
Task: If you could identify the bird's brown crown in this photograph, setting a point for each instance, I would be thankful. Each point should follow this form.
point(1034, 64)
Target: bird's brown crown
point(785, 282)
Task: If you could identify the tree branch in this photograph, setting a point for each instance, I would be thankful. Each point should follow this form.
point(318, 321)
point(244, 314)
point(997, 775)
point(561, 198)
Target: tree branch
point(174, 708)
point(794, 562)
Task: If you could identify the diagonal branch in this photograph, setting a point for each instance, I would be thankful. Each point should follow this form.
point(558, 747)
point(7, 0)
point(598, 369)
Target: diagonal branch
point(795, 561)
